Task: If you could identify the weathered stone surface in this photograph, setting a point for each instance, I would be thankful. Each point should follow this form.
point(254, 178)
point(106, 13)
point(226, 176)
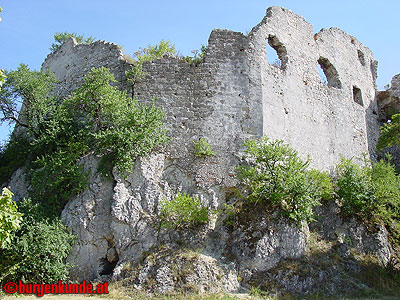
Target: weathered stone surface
point(333, 227)
point(265, 242)
point(395, 86)
point(72, 61)
point(389, 101)
point(89, 216)
point(18, 184)
point(165, 271)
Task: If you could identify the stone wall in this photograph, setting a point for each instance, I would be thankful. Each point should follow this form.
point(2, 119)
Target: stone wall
point(326, 121)
point(236, 94)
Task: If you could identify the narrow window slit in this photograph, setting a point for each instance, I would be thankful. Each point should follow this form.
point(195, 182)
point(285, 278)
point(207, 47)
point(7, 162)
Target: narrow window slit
point(357, 95)
point(361, 57)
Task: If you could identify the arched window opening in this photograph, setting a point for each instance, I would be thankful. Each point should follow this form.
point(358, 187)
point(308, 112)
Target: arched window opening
point(276, 53)
point(331, 74)
point(361, 57)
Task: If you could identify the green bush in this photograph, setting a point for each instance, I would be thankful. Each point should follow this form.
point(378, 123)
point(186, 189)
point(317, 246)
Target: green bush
point(10, 218)
point(371, 192)
point(118, 128)
point(356, 189)
point(202, 148)
point(61, 37)
point(390, 133)
point(183, 211)
point(38, 250)
point(277, 177)
point(321, 184)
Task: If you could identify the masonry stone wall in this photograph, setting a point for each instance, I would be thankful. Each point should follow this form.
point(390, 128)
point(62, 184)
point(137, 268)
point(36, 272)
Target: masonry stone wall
point(236, 94)
point(324, 121)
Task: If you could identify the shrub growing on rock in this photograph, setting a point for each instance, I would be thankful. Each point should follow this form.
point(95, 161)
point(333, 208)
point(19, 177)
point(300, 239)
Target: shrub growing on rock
point(38, 249)
point(10, 218)
point(202, 148)
point(276, 176)
point(370, 192)
point(183, 211)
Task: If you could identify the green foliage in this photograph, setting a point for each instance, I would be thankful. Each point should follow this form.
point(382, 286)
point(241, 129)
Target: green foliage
point(13, 155)
point(136, 73)
point(120, 128)
point(61, 37)
point(276, 176)
point(371, 192)
point(10, 218)
point(183, 211)
point(38, 249)
point(155, 52)
point(321, 184)
point(355, 189)
point(96, 119)
point(198, 56)
point(2, 77)
point(390, 133)
point(33, 88)
point(202, 148)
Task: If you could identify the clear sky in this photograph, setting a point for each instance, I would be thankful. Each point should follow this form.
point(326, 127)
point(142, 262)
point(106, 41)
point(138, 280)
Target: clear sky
point(28, 26)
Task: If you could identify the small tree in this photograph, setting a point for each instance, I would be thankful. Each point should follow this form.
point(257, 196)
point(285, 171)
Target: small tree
point(10, 218)
point(25, 100)
point(61, 37)
point(136, 73)
point(370, 192)
point(276, 176)
point(183, 211)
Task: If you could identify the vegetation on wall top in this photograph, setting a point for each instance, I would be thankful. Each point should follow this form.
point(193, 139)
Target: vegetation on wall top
point(61, 37)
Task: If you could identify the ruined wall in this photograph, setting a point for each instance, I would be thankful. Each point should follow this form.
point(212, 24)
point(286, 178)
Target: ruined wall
point(235, 94)
point(326, 121)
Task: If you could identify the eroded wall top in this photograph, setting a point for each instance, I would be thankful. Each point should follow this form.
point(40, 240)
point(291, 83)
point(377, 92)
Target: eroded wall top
point(237, 94)
point(326, 120)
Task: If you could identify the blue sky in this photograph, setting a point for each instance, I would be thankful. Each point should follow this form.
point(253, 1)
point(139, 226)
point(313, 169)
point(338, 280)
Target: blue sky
point(27, 27)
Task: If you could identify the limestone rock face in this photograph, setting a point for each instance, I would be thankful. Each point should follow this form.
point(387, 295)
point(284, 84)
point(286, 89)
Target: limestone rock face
point(353, 233)
point(266, 242)
point(389, 101)
point(89, 216)
point(19, 185)
point(395, 86)
point(182, 270)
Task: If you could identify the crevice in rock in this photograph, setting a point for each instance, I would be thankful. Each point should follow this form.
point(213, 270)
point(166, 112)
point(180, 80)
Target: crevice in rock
point(108, 263)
